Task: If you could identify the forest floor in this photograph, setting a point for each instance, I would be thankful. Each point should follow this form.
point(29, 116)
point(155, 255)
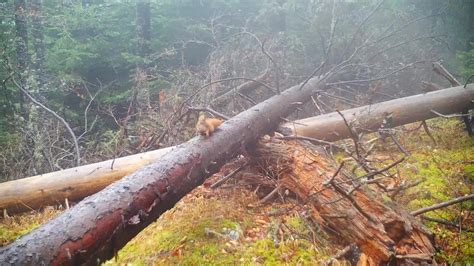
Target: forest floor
point(227, 225)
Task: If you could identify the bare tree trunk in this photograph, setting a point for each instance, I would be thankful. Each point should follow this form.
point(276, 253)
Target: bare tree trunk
point(99, 225)
point(143, 27)
point(141, 94)
point(383, 233)
point(22, 49)
point(74, 184)
point(369, 118)
point(38, 41)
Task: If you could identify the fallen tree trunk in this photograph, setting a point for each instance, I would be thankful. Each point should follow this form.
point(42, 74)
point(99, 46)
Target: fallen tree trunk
point(384, 233)
point(99, 225)
point(406, 110)
point(242, 88)
point(73, 184)
point(76, 183)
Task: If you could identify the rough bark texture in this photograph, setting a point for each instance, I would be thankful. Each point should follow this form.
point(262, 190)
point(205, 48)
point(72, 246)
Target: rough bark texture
point(73, 184)
point(403, 111)
point(103, 223)
point(384, 233)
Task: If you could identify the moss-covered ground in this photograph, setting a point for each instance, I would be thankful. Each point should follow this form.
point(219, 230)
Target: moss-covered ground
point(225, 226)
point(446, 171)
point(198, 232)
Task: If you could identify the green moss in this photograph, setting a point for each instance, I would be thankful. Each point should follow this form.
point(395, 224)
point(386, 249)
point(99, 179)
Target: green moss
point(298, 225)
point(14, 227)
point(446, 173)
point(469, 173)
point(293, 252)
point(7, 235)
point(179, 237)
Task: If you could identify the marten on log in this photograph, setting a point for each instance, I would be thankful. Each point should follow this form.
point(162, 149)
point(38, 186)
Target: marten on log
point(206, 126)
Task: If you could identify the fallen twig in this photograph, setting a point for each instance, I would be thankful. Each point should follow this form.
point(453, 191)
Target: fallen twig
point(269, 196)
point(340, 254)
point(449, 116)
point(442, 205)
point(447, 223)
point(227, 177)
point(404, 186)
point(313, 140)
point(209, 110)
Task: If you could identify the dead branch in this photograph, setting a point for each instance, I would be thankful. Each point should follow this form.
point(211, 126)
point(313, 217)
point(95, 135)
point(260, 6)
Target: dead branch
point(244, 87)
point(209, 110)
point(269, 196)
point(447, 223)
point(227, 177)
point(355, 138)
point(430, 86)
point(427, 130)
point(448, 116)
point(371, 174)
point(442, 205)
point(73, 136)
point(404, 187)
point(243, 96)
point(377, 78)
point(442, 71)
point(340, 254)
point(313, 140)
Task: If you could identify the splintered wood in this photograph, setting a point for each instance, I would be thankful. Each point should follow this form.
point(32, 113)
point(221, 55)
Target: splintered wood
point(384, 233)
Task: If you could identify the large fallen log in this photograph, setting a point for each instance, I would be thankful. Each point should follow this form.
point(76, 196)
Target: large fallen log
point(406, 110)
point(73, 184)
point(77, 183)
point(99, 225)
point(384, 233)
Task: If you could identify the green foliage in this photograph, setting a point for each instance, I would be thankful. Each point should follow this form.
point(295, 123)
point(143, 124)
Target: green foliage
point(467, 59)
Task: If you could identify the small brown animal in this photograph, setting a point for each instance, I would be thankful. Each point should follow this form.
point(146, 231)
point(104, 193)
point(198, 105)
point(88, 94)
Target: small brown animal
point(206, 126)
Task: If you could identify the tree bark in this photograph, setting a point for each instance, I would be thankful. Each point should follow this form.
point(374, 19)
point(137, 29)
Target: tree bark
point(141, 95)
point(38, 40)
point(101, 224)
point(76, 183)
point(73, 184)
point(384, 233)
point(406, 110)
point(143, 27)
point(22, 57)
